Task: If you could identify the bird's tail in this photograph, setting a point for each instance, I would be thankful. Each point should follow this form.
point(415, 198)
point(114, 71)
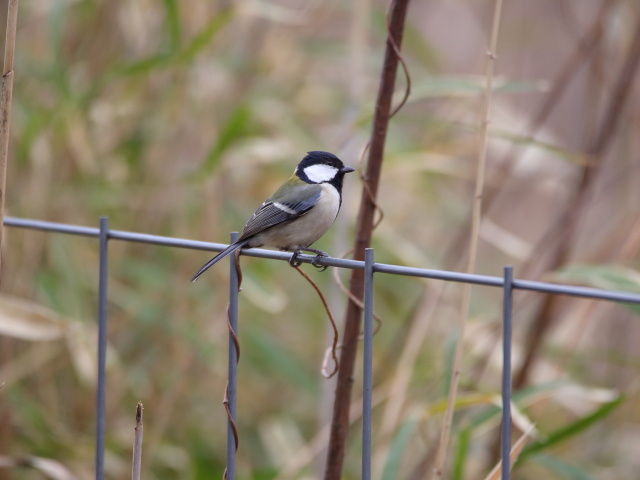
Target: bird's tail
point(227, 251)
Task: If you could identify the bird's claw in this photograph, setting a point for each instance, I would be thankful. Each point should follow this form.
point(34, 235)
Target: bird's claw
point(320, 268)
point(293, 261)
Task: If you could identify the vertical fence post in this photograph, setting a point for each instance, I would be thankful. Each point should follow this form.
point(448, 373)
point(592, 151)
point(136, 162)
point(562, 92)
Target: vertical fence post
point(367, 380)
point(102, 346)
point(507, 308)
point(232, 376)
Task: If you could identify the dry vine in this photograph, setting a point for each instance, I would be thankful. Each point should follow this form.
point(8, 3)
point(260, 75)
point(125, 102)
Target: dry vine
point(234, 337)
point(334, 348)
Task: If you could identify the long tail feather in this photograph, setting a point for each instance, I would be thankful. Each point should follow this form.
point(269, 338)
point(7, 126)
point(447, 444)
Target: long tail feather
point(227, 251)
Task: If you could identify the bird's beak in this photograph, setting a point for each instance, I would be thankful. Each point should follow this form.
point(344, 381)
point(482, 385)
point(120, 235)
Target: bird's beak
point(346, 169)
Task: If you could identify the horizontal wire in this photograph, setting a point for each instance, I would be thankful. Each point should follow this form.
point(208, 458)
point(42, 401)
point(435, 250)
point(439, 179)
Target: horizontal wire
point(487, 280)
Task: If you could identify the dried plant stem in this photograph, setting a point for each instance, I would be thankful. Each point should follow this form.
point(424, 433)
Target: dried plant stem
point(473, 246)
point(513, 455)
point(137, 444)
point(340, 417)
point(5, 104)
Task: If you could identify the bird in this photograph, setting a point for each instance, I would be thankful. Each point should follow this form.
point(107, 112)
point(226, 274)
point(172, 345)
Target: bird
point(298, 213)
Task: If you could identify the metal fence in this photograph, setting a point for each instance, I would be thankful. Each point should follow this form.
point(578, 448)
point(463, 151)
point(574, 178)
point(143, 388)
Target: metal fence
point(507, 283)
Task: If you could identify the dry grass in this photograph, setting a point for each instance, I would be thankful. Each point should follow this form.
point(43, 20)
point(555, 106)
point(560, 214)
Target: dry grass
point(178, 119)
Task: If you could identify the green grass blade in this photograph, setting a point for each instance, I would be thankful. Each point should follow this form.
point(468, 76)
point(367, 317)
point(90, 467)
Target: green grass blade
point(398, 448)
point(236, 127)
point(609, 277)
point(572, 429)
point(172, 24)
point(564, 469)
point(462, 451)
point(205, 36)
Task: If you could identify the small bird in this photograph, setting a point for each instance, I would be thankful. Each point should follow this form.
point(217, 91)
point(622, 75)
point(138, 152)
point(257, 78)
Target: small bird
point(298, 213)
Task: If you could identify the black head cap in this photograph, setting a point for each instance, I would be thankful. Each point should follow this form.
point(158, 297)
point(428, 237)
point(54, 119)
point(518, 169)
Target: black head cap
point(323, 158)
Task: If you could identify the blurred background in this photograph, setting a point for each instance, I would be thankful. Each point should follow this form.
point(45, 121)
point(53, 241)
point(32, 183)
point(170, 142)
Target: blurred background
point(178, 118)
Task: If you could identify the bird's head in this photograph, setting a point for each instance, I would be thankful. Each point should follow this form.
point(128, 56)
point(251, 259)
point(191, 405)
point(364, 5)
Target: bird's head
point(322, 167)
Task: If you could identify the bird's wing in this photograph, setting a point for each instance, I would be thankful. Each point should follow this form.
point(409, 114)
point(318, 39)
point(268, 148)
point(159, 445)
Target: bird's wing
point(282, 208)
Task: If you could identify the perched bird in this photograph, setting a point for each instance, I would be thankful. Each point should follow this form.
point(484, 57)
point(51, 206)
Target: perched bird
point(298, 213)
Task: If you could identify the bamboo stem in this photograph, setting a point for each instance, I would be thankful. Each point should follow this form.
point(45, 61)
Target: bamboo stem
point(473, 246)
point(5, 105)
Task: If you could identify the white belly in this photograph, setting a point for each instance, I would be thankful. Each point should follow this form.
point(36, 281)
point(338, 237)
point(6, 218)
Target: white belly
point(308, 228)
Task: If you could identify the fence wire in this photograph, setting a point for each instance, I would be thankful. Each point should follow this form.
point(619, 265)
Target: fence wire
point(507, 283)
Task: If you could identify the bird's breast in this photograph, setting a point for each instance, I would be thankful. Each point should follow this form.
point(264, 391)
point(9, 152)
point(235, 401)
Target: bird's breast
point(308, 228)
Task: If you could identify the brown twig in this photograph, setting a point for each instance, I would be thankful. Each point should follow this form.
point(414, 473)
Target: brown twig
point(405, 69)
point(403, 101)
point(5, 104)
point(340, 418)
point(137, 444)
point(473, 246)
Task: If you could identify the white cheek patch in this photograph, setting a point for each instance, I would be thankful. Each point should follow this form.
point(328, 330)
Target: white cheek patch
point(320, 173)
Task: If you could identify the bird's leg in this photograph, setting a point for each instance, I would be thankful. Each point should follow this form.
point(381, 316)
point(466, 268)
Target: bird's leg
point(319, 253)
point(293, 261)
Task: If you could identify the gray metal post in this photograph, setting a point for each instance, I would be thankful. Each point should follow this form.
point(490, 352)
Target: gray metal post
point(232, 377)
point(367, 380)
point(102, 346)
point(507, 309)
